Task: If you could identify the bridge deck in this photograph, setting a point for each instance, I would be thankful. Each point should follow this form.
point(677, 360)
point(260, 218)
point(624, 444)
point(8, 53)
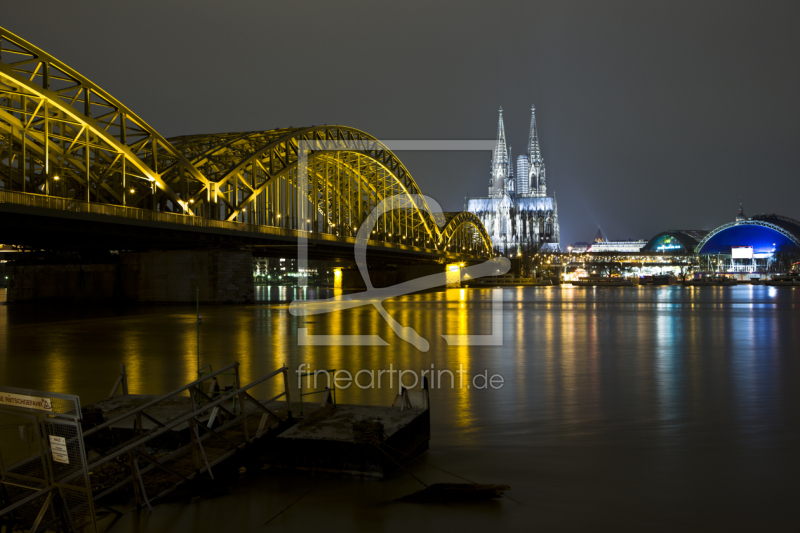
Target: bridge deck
point(52, 222)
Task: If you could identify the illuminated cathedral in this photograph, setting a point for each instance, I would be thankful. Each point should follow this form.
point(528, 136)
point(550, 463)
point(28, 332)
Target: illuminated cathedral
point(518, 211)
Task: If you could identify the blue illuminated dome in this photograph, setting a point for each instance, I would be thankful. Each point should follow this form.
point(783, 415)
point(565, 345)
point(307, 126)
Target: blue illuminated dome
point(765, 233)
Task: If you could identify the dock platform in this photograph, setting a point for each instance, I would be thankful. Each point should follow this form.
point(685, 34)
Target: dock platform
point(143, 447)
point(355, 440)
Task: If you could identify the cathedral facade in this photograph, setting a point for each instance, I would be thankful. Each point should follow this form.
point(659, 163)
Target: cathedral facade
point(518, 211)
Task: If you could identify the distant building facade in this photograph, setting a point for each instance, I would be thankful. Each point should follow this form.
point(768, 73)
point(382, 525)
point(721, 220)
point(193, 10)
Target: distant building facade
point(617, 246)
point(518, 212)
point(673, 241)
point(523, 166)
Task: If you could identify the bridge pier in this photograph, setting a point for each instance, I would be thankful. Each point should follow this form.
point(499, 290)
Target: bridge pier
point(454, 275)
point(70, 283)
point(222, 276)
point(388, 275)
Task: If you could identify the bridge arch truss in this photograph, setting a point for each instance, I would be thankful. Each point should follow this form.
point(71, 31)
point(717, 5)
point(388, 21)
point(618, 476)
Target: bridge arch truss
point(752, 222)
point(62, 135)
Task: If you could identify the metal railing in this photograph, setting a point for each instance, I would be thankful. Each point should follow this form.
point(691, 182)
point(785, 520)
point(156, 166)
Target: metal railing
point(214, 389)
point(134, 213)
point(332, 389)
point(49, 486)
point(230, 420)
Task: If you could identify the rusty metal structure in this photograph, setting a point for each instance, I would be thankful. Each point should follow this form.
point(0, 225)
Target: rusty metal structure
point(74, 461)
point(64, 137)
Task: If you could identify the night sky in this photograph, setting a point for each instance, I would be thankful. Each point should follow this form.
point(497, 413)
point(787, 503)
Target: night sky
point(652, 115)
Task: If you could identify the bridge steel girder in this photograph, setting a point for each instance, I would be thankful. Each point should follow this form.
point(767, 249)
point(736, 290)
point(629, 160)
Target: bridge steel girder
point(62, 135)
point(51, 104)
point(465, 229)
point(54, 229)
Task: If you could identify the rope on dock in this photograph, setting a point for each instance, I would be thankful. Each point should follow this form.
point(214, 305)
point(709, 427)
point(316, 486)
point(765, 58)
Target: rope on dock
point(291, 504)
point(439, 469)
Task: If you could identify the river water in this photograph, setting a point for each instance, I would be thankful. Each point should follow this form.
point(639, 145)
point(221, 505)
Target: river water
point(625, 408)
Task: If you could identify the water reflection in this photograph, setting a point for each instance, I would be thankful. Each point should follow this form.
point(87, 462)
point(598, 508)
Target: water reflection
point(663, 366)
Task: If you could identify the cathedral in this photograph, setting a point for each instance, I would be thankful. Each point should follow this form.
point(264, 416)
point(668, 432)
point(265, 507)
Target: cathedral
point(517, 211)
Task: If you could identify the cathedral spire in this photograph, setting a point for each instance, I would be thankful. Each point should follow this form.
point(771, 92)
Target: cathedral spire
point(499, 160)
point(536, 180)
point(534, 151)
point(500, 147)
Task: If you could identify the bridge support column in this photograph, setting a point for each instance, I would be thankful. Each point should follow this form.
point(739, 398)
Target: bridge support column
point(387, 275)
point(454, 275)
point(68, 283)
point(221, 276)
point(409, 272)
point(143, 277)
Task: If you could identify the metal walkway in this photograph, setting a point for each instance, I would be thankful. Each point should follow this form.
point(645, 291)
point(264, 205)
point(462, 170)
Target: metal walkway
point(148, 450)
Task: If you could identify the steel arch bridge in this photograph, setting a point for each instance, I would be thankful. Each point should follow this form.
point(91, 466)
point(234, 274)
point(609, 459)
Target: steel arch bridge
point(63, 136)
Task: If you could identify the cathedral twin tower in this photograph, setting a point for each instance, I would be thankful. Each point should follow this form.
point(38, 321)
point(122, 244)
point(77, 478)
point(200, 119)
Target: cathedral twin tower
point(530, 179)
point(518, 211)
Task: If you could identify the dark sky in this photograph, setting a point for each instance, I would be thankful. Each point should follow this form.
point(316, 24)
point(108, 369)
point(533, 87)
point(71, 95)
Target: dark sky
point(652, 115)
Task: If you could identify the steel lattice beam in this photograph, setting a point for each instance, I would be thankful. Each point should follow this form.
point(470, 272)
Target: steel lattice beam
point(62, 135)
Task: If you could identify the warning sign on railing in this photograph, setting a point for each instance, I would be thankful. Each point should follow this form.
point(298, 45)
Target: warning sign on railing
point(58, 445)
point(21, 400)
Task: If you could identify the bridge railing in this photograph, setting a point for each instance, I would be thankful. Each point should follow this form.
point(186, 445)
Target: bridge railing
point(134, 213)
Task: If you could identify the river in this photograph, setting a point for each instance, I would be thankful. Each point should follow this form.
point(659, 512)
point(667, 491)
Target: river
point(625, 408)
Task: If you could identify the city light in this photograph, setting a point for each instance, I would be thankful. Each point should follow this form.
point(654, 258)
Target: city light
point(608, 386)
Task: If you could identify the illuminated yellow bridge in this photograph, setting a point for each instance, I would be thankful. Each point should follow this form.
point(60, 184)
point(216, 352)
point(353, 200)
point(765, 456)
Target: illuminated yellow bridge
point(78, 168)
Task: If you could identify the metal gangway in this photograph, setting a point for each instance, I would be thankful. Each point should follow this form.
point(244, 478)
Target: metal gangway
point(153, 446)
